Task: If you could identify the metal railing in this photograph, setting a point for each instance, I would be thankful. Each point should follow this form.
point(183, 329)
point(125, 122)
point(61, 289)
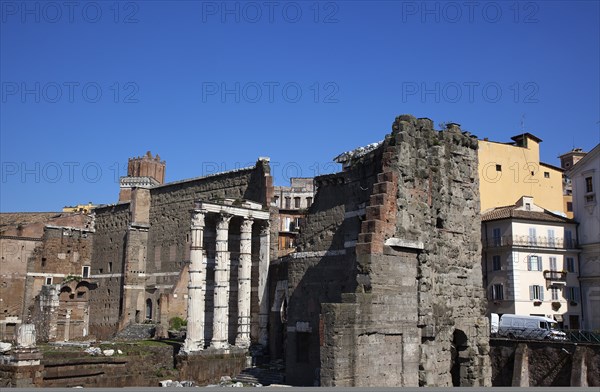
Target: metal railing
point(528, 241)
point(578, 336)
point(572, 335)
point(516, 333)
point(555, 275)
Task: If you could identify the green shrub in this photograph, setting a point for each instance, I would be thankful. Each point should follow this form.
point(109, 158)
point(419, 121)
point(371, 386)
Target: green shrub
point(177, 323)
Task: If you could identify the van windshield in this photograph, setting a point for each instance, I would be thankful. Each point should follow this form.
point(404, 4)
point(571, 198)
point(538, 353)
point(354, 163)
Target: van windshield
point(547, 326)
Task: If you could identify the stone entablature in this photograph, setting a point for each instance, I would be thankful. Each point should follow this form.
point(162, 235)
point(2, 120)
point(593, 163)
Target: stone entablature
point(138, 182)
point(198, 283)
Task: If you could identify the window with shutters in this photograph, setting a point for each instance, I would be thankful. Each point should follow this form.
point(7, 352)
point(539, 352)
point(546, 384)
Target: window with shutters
point(551, 240)
point(534, 263)
point(553, 265)
point(532, 236)
point(536, 293)
point(554, 291)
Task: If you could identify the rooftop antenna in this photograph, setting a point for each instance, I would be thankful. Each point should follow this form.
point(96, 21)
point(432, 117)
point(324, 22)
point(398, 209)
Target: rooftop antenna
point(523, 123)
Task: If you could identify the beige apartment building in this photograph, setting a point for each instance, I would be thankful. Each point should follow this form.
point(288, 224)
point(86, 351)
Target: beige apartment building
point(530, 262)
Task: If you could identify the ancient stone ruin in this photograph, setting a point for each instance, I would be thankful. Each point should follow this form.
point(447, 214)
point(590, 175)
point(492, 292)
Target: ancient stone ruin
point(386, 286)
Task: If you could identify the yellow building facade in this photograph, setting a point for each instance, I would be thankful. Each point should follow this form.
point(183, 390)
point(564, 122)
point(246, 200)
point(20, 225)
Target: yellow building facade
point(85, 208)
point(508, 171)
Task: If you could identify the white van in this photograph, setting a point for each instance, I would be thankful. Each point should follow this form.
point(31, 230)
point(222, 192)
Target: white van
point(516, 326)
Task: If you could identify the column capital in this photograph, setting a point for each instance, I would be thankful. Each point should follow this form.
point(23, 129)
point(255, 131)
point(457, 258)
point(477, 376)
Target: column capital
point(246, 225)
point(223, 220)
point(265, 227)
point(198, 219)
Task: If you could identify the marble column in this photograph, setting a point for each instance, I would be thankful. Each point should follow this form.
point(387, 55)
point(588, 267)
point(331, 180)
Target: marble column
point(67, 325)
point(221, 303)
point(263, 288)
point(196, 287)
point(244, 288)
point(26, 336)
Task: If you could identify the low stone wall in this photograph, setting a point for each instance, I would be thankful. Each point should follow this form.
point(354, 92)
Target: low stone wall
point(512, 364)
point(207, 367)
point(544, 363)
point(141, 366)
point(20, 377)
point(67, 367)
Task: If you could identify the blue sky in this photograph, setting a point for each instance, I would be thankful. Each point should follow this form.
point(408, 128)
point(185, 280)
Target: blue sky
point(214, 85)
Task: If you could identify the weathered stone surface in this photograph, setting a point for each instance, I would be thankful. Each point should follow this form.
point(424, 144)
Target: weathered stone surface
point(416, 314)
point(142, 250)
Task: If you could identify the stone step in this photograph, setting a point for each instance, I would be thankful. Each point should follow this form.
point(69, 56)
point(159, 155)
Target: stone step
point(260, 375)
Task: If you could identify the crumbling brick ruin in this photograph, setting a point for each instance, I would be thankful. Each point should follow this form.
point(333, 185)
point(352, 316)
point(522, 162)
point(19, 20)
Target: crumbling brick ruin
point(58, 307)
point(37, 248)
point(386, 286)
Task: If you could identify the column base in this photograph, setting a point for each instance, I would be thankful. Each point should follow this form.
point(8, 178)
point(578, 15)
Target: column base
point(219, 345)
point(190, 346)
point(242, 342)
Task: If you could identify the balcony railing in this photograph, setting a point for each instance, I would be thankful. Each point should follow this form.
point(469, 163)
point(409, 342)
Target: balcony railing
point(528, 241)
point(555, 275)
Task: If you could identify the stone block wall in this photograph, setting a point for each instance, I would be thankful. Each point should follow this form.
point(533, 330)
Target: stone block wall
point(170, 217)
point(408, 285)
point(21, 377)
point(169, 232)
point(108, 261)
point(147, 243)
point(438, 205)
point(325, 265)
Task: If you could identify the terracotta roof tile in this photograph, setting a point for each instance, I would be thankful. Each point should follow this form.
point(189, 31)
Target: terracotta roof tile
point(508, 212)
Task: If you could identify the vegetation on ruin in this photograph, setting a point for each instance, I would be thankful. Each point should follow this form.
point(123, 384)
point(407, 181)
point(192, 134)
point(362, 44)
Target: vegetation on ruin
point(177, 323)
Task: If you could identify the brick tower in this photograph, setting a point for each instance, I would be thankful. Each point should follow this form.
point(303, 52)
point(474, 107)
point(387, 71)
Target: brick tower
point(142, 172)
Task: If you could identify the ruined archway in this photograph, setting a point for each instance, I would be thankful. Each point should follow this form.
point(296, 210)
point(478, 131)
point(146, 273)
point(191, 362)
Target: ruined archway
point(148, 309)
point(458, 345)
